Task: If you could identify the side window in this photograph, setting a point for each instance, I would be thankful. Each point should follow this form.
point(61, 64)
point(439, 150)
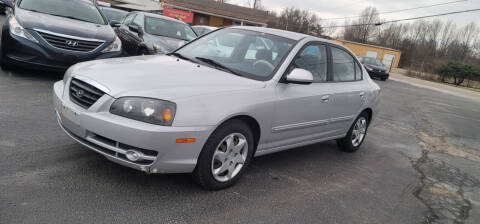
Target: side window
point(138, 21)
point(314, 59)
point(128, 19)
point(343, 66)
point(358, 72)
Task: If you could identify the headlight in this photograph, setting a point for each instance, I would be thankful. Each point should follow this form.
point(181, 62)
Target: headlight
point(148, 110)
point(368, 68)
point(17, 30)
point(114, 47)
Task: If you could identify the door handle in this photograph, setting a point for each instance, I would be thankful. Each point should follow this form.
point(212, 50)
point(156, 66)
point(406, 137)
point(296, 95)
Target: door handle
point(325, 98)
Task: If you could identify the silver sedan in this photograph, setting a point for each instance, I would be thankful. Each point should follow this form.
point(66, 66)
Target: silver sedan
point(211, 106)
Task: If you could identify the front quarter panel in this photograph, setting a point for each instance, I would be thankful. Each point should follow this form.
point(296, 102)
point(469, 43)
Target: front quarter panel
point(214, 109)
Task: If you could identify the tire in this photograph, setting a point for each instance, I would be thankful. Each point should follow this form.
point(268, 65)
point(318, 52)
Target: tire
point(143, 52)
point(212, 159)
point(350, 143)
point(384, 79)
point(3, 65)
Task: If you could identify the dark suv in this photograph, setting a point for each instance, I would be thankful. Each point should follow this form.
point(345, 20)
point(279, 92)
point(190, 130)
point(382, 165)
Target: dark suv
point(55, 34)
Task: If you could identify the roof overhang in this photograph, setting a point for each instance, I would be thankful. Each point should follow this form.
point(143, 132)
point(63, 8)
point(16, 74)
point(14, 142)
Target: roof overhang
point(213, 14)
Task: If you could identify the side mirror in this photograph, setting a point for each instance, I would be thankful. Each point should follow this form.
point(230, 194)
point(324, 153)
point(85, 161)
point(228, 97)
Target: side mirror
point(134, 28)
point(300, 76)
point(113, 23)
point(7, 3)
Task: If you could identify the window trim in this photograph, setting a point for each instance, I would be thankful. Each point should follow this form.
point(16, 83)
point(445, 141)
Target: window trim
point(355, 59)
point(310, 43)
point(139, 16)
point(125, 18)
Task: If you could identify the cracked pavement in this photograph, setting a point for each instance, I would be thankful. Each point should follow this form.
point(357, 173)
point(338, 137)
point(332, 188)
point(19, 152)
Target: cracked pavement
point(419, 164)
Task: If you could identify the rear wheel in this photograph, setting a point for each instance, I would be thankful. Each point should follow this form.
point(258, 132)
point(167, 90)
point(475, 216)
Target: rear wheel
point(356, 135)
point(225, 156)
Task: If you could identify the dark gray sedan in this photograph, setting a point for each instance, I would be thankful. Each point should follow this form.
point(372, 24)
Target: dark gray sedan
point(147, 33)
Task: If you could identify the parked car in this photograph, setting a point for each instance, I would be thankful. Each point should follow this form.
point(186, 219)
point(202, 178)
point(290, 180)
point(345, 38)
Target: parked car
point(209, 112)
point(40, 34)
point(113, 14)
point(202, 30)
point(3, 6)
point(147, 34)
point(375, 68)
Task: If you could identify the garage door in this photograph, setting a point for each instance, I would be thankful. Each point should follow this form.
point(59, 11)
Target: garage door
point(388, 60)
point(372, 54)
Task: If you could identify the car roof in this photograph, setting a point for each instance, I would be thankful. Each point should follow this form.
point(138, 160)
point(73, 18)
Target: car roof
point(160, 17)
point(211, 27)
point(284, 33)
point(276, 32)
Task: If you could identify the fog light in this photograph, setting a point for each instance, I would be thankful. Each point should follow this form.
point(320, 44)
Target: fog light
point(134, 156)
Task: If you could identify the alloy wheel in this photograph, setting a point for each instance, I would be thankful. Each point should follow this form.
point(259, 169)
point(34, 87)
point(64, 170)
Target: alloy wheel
point(359, 131)
point(229, 157)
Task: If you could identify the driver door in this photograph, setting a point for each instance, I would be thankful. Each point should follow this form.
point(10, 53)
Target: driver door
point(302, 112)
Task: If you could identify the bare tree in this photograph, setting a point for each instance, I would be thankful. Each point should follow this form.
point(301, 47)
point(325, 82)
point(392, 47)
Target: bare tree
point(302, 21)
point(447, 36)
point(466, 38)
point(364, 28)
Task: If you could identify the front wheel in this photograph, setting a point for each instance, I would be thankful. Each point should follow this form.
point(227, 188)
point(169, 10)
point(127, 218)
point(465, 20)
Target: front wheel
point(356, 135)
point(225, 156)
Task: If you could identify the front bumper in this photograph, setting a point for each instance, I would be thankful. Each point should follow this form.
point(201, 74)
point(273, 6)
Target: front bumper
point(112, 135)
point(23, 52)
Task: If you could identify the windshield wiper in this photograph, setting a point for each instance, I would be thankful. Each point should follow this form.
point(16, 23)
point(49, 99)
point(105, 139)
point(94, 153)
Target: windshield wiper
point(218, 65)
point(178, 55)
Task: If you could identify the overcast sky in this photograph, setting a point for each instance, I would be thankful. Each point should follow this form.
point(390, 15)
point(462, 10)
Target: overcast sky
point(343, 8)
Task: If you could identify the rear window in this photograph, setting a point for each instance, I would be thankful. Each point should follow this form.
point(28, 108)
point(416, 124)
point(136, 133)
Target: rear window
point(78, 10)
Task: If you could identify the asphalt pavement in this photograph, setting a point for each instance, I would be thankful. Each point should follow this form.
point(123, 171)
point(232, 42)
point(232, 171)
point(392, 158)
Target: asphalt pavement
point(420, 163)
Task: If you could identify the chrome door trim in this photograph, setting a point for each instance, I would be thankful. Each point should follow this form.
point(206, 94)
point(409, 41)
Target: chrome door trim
point(300, 125)
point(341, 119)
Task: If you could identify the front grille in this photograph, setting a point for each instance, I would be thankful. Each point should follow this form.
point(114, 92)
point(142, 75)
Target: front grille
point(71, 44)
point(84, 94)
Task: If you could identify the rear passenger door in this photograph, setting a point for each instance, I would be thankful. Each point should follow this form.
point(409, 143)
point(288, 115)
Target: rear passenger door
point(348, 89)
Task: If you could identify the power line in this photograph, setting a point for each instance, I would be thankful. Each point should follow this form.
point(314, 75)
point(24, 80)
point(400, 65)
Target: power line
point(400, 10)
point(407, 19)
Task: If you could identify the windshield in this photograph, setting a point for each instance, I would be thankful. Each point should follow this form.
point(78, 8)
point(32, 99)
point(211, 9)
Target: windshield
point(372, 61)
point(78, 10)
point(113, 14)
point(166, 28)
point(251, 54)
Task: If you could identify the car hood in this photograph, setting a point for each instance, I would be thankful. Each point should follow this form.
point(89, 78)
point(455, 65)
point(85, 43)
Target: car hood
point(33, 20)
point(169, 44)
point(381, 68)
point(163, 77)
